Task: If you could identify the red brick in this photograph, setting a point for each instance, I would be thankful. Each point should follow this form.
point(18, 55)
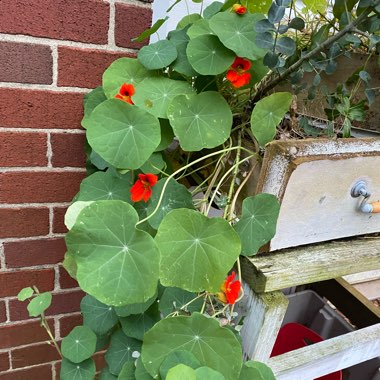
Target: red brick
point(41, 372)
point(25, 63)
point(83, 67)
point(85, 20)
point(32, 355)
point(12, 282)
point(131, 20)
point(67, 323)
point(68, 150)
point(65, 280)
point(3, 313)
point(62, 303)
point(4, 361)
point(100, 361)
point(39, 187)
point(59, 220)
point(23, 149)
point(20, 222)
point(21, 108)
point(13, 335)
point(34, 252)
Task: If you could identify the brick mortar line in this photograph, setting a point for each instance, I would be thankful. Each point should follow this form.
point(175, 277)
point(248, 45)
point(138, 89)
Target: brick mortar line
point(42, 130)
point(30, 238)
point(56, 278)
point(29, 366)
point(51, 220)
point(35, 205)
point(111, 24)
point(2, 256)
point(40, 169)
point(46, 87)
point(54, 292)
point(54, 54)
point(21, 38)
point(49, 150)
point(23, 269)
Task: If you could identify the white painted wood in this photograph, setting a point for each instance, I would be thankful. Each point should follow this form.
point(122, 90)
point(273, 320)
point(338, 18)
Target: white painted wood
point(264, 315)
point(370, 289)
point(357, 278)
point(328, 356)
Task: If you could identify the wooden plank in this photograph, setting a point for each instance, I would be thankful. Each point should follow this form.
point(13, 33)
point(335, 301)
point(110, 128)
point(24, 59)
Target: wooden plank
point(263, 318)
point(357, 278)
point(305, 265)
point(370, 289)
point(357, 308)
point(328, 356)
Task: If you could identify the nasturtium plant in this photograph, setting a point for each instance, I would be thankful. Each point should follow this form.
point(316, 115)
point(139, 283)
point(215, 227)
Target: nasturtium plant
point(175, 139)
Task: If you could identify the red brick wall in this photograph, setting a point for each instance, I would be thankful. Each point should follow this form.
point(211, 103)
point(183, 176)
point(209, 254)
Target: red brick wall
point(51, 53)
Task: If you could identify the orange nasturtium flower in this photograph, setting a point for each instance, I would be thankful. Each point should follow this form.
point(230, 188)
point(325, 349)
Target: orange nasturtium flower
point(239, 9)
point(126, 92)
point(237, 74)
point(142, 189)
point(229, 290)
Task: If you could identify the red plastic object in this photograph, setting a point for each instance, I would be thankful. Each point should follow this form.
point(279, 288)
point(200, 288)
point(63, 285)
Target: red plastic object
point(293, 336)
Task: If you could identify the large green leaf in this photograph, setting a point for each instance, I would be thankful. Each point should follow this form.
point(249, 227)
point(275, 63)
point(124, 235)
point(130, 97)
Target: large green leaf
point(207, 248)
point(104, 186)
point(157, 55)
point(174, 299)
point(208, 56)
point(261, 6)
point(256, 370)
point(73, 211)
point(214, 346)
point(121, 351)
point(189, 19)
point(175, 196)
point(136, 325)
point(99, 317)
point(138, 308)
point(200, 121)
point(77, 371)
point(208, 373)
point(92, 100)
point(167, 135)
point(178, 357)
point(267, 114)
point(212, 9)
point(257, 224)
point(79, 345)
point(181, 371)
point(39, 304)
point(238, 33)
point(141, 372)
point(128, 371)
point(112, 255)
point(123, 70)
point(122, 134)
point(199, 28)
point(155, 94)
point(154, 164)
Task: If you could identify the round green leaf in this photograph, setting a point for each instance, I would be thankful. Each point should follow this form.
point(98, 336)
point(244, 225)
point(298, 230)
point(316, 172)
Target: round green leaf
point(256, 370)
point(121, 351)
point(104, 186)
point(135, 326)
point(157, 55)
point(199, 28)
point(122, 134)
point(178, 357)
point(73, 211)
point(174, 298)
point(141, 373)
point(138, 308)
point(237, 33)
point(70, 265)
point(79, 371)
point(123, 70)
point(182, 372)
point(208, 56)
point(128, 371)
point(99, 317)
point(105, 374)
point(112, 255)
point(212, 9)
point(39, 304)
point(257, 224)
point(154, 164)
point(92, 100)
point(200, 121)
point(155, 94)
point(207, 248)
point(167, 135)
point(208, 373)
point(267, 114)
point(285, 45)
point(79, 345)
point(189, 19)
point(214, 346)
point(25, 293)
point(175, 196)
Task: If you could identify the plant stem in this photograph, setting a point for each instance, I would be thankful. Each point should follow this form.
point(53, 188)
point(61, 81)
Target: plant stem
point(274, 82)
point(46, 326)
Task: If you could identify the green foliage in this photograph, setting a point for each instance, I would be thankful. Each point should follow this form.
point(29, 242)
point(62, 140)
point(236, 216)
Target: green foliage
point(39, 304)
point(79, 371)
point(178, 357)
point(157, 55)
point(25, 293)
point(256, 370)
point(177, 299)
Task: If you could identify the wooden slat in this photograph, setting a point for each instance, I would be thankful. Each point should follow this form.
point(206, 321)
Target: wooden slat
point(263, 318)
point(308, 264)
point(328, 356)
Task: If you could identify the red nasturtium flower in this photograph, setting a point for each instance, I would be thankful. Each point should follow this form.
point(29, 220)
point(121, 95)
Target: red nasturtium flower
point(126, 92)
point(229, 290)
point(239, 9)
point(238, 75)
point(142, 189)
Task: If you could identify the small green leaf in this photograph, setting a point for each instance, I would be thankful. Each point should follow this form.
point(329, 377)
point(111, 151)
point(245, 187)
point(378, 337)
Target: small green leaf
point(128, 371)
point(173, 299)
point(178, 357)
point(370, 94)
point(157, 55)
point(99, 317)
point(91, 101)
point(155, 164)
point(39, 304)
point(141, 372)
point(364, 76)
point(271, 60)
point(257, 224)
point(182, 372)
point(148, 32)
point(189, 19)
point(79, 371)
point(256, 370)
point(212, 9)
point(79, 345)
point(267, 114)
point(208, 373)
point(297, 23)
point(276, 13)
point(25, 294)
point(263, 26)
point(167, 135)
point(265, 40)
point(199, 28)
point(286, 46)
